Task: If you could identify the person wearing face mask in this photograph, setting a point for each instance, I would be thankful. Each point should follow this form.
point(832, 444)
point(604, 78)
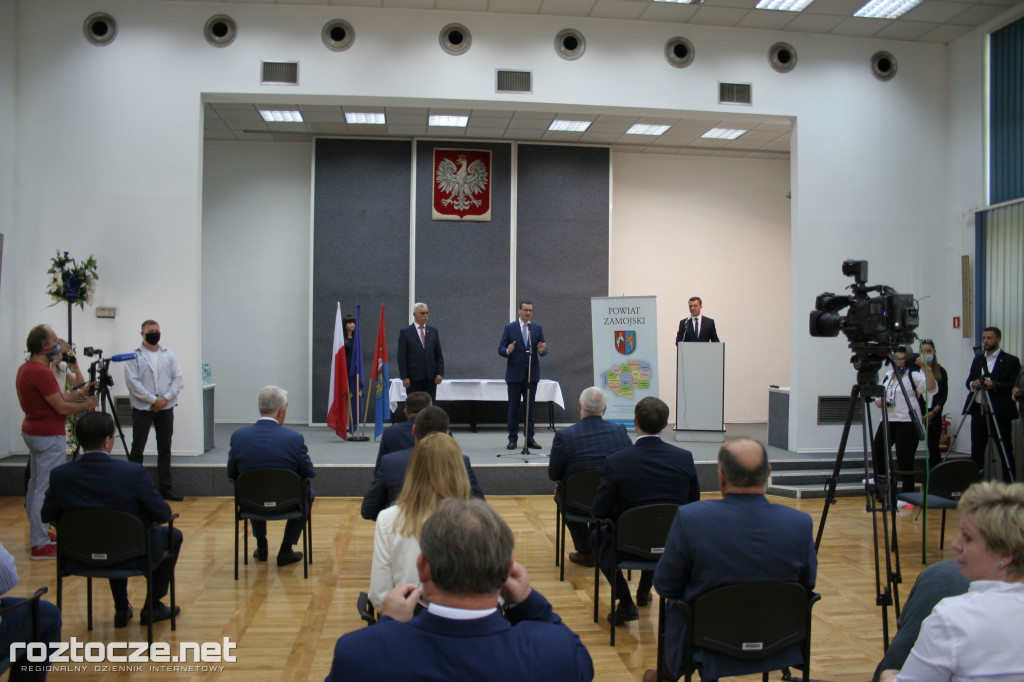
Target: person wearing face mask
point(937, 395)
point(154, 381)
point(46, 407)
point(902, 433)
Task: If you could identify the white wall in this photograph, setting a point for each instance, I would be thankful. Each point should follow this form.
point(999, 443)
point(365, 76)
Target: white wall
point(10, 338)
point(716, 228)
point(109, 147)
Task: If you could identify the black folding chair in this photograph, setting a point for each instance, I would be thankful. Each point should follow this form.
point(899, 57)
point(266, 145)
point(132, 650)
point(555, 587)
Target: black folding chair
point(640, 534)
point(270, 494)
point(947, 481)
point(104, 540)
point(573, 505)
point(32, 603)
point(748, 621)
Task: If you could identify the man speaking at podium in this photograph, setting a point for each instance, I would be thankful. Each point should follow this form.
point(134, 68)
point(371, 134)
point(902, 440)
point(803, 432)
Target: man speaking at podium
point(522, 343)
point(696, 327)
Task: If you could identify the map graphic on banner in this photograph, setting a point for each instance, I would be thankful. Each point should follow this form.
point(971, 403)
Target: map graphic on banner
point(625, 341)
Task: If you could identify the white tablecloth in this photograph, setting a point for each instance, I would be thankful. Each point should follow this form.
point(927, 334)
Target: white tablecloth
point(480, 390)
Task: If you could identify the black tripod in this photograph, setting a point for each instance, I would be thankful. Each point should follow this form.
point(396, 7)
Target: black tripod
point(527, 413)
point(878, 485)
point(995, 434)
point(99, 376)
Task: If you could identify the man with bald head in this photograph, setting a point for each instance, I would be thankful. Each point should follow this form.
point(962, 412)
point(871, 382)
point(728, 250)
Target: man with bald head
point(740, 538)
point(582, 447)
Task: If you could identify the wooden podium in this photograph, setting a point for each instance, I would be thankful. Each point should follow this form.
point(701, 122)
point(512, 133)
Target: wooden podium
point(700, 392)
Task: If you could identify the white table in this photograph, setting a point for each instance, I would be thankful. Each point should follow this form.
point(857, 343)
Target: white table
point(483, 390)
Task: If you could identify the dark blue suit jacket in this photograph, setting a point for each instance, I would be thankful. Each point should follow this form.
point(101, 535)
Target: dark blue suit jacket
point(395, 437)
point(416, 361)
point(515, 368)
point(1004, 375)
point(388, 478)
point(738, 539)
point(707, 331)
point(584, 446)
point(534, 647)
point(649, 472)
point(97, 481)
point(268, 444)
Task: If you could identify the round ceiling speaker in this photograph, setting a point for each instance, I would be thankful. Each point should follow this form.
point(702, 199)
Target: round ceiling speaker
point(220, 30)
point(782, 57)
point(679, 52)
point(455, 39)
point(570, 44)
point(883, 66)
point(338, 35)
point(100, 28)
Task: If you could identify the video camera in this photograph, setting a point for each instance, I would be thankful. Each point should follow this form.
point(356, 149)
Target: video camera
point(99, 370)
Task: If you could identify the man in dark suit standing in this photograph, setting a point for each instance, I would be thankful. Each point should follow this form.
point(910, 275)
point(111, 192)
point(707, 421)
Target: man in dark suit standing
point(399, 436)
point(696, 327)
point(738, 539)
point(649, 472)
point(420, 361)
point(95, 481)
point(465, 564)
point(267, 443)
point(583, 447)
point(1002, 370)
point(522, 343)
point(389, 475)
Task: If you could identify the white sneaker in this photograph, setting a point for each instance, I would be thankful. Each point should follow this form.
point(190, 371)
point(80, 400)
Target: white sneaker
point(866, 481)
point(904, 505)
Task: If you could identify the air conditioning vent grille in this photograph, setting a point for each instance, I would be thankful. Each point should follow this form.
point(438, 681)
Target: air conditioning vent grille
point(515, 81)
point(735, 93)
point(832, 410)
point(280, 73)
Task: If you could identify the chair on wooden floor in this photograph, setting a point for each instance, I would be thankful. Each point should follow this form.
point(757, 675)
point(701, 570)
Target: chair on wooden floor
point(271, 494)
point(947, 481)
point(104, 540)
point(29, 603)
point(573, 505)
point(640, 534)
point(747, 621)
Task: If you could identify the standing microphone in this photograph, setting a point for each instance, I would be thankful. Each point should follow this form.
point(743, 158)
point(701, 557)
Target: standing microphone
point(124, 357)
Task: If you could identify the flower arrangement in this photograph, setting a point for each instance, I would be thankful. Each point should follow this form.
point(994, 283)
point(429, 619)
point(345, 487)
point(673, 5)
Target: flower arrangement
point(70, 281)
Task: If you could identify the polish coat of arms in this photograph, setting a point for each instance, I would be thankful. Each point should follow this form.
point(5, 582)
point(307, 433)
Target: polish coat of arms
point(462, 184)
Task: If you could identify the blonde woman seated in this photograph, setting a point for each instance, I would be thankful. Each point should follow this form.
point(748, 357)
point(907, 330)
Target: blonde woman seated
point(436, 470)
point(976, 636)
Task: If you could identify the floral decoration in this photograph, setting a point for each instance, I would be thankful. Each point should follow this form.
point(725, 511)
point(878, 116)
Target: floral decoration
point(72, 282)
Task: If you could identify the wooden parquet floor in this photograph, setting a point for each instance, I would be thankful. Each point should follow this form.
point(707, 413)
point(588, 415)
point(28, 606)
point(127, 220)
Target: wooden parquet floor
point(285, 627)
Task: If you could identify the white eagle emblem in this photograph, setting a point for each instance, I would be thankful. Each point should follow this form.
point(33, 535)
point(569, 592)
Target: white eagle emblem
point(460, 184)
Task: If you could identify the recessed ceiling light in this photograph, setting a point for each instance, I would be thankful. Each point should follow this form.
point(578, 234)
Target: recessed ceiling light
point(886, 9)
point(646, 129)
point(449, 121)
point(289, 116)
point(569, 126)
point(363, 117)
point(678, 2)
point(784, 5)
point(723, 133)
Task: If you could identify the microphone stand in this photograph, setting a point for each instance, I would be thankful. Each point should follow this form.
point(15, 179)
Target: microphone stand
point(526, 454)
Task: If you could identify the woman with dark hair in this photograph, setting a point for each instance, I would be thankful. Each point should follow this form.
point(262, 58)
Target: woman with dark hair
point(936, 399)
point(349, 323)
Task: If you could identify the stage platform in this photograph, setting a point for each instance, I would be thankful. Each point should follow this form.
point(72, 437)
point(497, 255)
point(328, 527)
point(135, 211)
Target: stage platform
point(345, 468)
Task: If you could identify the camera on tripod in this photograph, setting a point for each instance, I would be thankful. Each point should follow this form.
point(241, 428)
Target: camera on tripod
point(99, 371)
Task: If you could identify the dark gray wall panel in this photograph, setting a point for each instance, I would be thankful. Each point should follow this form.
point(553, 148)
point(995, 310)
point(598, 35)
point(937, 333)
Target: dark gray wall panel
point(360, 247)
point(562, 255)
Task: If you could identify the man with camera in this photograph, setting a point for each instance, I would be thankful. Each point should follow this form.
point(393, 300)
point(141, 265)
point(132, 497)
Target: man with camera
point(46, 406)
point(154, 381)
point(993, 374)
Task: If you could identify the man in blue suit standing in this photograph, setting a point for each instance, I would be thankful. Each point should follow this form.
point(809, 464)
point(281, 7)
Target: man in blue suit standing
point(95, 481)
point(583, 447)
point(522, 343)
point(420, 361)
point(267, 443)
point(649, 472)
point(465, 563)
point(740, 538)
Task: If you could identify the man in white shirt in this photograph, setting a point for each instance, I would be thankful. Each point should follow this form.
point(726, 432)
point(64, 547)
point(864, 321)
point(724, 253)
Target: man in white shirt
point(154, 381)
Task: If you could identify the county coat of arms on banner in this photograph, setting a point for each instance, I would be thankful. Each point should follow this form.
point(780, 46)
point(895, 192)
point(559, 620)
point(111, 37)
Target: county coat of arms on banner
point(462, 184)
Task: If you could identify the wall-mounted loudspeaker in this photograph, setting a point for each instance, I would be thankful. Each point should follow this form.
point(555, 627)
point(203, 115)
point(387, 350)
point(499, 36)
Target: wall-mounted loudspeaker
point(679, 52)
point(455, 39)
point(570, 44)
point(782, 57)
point(338, 35)
point(883, 66)
point(100, 28)
point(220, 30)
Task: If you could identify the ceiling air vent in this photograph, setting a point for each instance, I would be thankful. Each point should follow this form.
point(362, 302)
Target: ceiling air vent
point(515, 81)
point(280, 73)
point(734, 93)
point(832, 410)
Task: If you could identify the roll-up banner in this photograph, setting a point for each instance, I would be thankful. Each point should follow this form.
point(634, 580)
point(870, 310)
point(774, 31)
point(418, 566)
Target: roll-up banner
point(625, 335)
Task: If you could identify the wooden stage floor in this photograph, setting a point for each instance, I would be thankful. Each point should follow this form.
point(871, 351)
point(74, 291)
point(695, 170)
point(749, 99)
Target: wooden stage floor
point(285, 627)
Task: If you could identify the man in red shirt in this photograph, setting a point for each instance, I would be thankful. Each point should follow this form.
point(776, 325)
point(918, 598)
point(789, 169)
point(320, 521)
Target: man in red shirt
point(46, 407)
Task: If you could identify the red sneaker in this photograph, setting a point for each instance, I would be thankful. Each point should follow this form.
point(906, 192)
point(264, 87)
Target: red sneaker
point(53, 536)
point(44, 552)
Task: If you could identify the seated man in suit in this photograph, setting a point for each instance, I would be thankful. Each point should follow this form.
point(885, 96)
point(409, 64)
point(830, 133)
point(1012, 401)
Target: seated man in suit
point(267, 443)
point(390, 472)
point(465, 564)
point(740, 538)
point(95, 481)
point(649, 472)
point(17, 626)
point(582, 447)
point(399, 436)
